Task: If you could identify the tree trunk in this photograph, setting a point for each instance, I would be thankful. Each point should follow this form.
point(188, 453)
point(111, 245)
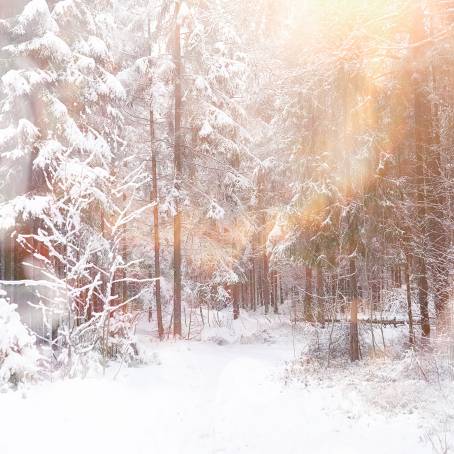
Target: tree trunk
point(259, 281)
point(281, 294)
point(156, 239)
point(411, 332)
point(274, 291)
point(437, 202)
point(271, 280)
point(266, 283)
point(354, 338)
point(154, 200)
point(177, 182)
point(375, 293)
point(308, 316)
point(124, 284)
point(320, 297)
point(253, 290)
point(423, 127)
point(235, 300)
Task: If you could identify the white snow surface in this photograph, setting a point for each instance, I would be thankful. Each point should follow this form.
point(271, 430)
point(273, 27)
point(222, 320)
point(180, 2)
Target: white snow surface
point(234, 398)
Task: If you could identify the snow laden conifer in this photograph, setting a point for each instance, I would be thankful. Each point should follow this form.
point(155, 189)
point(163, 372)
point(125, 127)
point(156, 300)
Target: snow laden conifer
point(72, 135)
point(147, 73)
point(212, 189)
point(217, 146)
point(19, 357)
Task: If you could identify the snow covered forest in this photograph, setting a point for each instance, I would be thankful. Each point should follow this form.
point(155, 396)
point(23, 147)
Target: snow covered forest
point(226, 226)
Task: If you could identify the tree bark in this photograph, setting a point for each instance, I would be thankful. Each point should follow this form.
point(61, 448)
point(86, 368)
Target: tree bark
point(423, 128)
point(124, 284)
point(281, 294)
point(154, 200)
point(156, 239)
point(274, 291)
point(177, 181)
point(235, 300)
point(354, 338)
point(266, 283)
point(411, 332)
point(252, 287)
point(308, 316)
point(320, 297)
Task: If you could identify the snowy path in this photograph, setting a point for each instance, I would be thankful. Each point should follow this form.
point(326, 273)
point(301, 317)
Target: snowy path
point(203, 398)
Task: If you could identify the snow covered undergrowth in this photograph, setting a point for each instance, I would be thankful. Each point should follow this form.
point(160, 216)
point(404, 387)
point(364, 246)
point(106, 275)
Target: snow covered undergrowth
point(201, 397)
point(19, 357)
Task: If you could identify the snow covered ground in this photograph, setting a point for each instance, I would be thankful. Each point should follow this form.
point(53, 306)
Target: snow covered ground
point(201, 397)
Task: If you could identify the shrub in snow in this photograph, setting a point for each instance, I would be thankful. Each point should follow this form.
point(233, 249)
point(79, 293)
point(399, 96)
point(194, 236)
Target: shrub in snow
point(88, 348)
point(122, 344)
point(434, 365)
point(78, 364)
point(19, 356)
